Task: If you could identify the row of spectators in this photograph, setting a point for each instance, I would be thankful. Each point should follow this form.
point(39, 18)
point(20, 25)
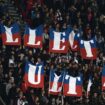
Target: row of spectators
point(3, 8)
point(85, 15)
point(78, 13)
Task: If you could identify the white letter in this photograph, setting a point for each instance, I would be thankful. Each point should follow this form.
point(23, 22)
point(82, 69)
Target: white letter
point(104, 85)
point(9, 35)
point(55, 84)
point(57, 41)
point(71, 40)
point(31, 74)
point(88, 49)
point(72, 84)
point(32, 38)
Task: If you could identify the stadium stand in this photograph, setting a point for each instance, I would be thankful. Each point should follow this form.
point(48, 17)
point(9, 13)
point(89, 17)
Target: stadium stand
point(87, 16)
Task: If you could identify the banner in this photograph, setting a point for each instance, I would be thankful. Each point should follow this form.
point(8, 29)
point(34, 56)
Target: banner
point(88, 49)
point(34, 75)
point(103, 78)
point(74, 40)
point(58, 41)
point(10, 35)
point(33, 37)
point(72, 85)
point(56, 82)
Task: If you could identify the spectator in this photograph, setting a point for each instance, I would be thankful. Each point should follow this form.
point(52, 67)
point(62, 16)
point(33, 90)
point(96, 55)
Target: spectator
point(84, 15)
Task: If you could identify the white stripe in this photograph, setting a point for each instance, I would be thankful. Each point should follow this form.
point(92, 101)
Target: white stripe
point(71, 38)
point(57, 41)
point(89, 85)
point(9, 35)
point(55, 84)
point(31, 74)
point(88, 49)
point(32, 38)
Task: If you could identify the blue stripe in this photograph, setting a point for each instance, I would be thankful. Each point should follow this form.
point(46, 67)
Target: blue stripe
point(103, 71)
point(76, 37)
point(62, 36)
point(66, 81)
point(37, 68)
point(2, 28)
point(52, 76)
point(14, 30)
point(93, 45)
point(39, 30)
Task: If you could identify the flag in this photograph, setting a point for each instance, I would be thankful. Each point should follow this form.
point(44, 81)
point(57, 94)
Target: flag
point(58, 41)
point(33, 37)
point(34, 75)
point(88, 49)
point(55, 82)
point(103, 78)
point(89, 86)
point(10, 35)
point(24, 87)
point(72, 86)
point(74, 40)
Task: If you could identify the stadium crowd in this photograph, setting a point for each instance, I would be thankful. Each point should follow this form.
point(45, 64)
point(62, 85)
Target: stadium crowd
point(87, 16)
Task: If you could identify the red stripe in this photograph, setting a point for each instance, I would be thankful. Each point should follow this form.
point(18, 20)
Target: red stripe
point(16, 35)
point(40, 85)
point(78, 90)
point(83, 53)
point(103, 82)
point(38, 38)
point(58, 51)
point(50, 87)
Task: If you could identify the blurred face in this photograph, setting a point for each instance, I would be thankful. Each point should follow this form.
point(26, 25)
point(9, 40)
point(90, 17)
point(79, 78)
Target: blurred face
point(52, 66)
point(101, 55)
point(51, 10)
point(46, 31)
point(67, 17)
point(89, 9)
point(37, 99)
point(10, 74)
point(75, 54)
point(89, 31)
point(95, 94)
point(57, 25)
point(78, 14)
point(75, 65)
point(39, 60)
point(32, 91)
point(103, 94)
point(38, 15)
point(21, 94)
point(6, 75)
point(30, 52)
